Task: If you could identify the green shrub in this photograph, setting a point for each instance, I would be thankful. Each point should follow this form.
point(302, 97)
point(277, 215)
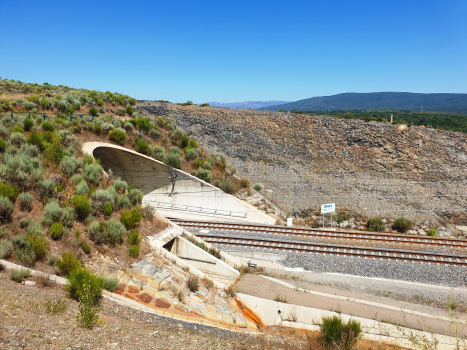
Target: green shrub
point(46, 126)
point(28, 124)
point(141, 146)
point(54, 150)
point(77, 279)
point(3, 232)
point(97, 130)
point(92, 172)
point(336, 333)
point(85, 247)
point(82, 206)
point(6, 247)
point(6, 208)
point(110, 283)
point(17, 128)
point(131, 218)
point(96, 232)
point(25, 201)
point(130, 110)
point(133, 251)
point(375, 225)
point(36, 139)
point(82, 188)
point(108, 209)
point(144, 124)
point(193, 144)
point(2, 145)
point(432, 232)
point(114, 232)
point(206, 164)
point(133, 238)
point(258, 187)
point(68, 262)
point(118, 135)
point(204, 174)
point(52, 212)
point(18, 275)
point(11, 192)
point(38, 245)
point(402, 225)
point(56, 230)
point(69, 165)
point(93, 111)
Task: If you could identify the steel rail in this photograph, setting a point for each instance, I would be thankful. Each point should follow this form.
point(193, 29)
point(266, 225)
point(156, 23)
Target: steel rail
point(307, 232)
point(338, 250)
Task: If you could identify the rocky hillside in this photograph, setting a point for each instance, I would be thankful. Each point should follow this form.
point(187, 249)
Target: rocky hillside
point(373, 168)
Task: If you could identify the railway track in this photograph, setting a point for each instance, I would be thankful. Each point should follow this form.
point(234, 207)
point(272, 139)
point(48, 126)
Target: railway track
point(307, 232)
point(337, 250)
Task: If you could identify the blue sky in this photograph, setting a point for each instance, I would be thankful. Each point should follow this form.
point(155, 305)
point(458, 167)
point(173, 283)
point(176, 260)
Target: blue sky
point(237, 50)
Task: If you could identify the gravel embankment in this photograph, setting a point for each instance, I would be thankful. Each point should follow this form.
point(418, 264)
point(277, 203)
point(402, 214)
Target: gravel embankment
point(430, 273)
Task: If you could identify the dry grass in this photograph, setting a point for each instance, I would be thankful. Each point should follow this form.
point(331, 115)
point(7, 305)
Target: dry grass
point(43, 280)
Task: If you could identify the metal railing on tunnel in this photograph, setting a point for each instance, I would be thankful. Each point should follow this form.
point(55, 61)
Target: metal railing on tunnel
point(197, 210)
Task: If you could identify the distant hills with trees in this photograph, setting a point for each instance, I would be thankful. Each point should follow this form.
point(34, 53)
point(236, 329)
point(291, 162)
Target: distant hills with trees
point(401, 101)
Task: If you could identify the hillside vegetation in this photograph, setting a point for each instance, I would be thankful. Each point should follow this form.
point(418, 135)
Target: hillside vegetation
point(402, 101)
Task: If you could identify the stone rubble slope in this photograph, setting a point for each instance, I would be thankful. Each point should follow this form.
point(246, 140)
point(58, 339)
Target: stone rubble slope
point(292, 155)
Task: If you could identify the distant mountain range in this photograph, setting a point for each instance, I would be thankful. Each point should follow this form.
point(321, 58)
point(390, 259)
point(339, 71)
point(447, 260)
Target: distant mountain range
point(407, 101)
point(247, 104)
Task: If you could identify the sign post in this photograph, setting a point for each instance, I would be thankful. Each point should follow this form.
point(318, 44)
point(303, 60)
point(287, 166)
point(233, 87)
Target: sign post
point(328, 208)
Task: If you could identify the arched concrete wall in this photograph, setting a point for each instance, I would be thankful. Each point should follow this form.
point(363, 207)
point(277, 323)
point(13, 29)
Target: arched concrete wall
point(173, 192)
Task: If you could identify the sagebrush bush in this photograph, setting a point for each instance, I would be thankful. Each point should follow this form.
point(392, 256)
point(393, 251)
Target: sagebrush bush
point(17, 138)
point(133, 251)
point(96, 232)
point(148, 212)
point(334, 332)
point(114, 232)
point(68, 217)
point(76, 178)
point(82, 206)
point(191, 154)
point(92, 172)
point(3, 232)
point(100, 197)
point(120, 185)
point(154, 134)
point(69, 165)
point(82, 188)
point(52, 212)
point(25, 201)
point(173, 160)
point(141, 146)
point(6, 248)
point(402, 225)
point(118, 135)
point(158, 152)
point(46, 187)
point(204, 174)
point(77, 279)
point(258, 187)
point(18, 275)
point(175, 150)
point(110, 283)
point(135, 196)
point(375, 225)
point(123, 202)
point(34, 228)
point(4, 132)
point(25, 254)
point(68, 262)
point(6, 208)
point(131, 218)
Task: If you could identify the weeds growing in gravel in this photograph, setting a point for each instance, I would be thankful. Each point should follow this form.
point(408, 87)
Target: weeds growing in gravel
point(19, 275)
point(56, 306)
point(193, 282)
point(281, 299)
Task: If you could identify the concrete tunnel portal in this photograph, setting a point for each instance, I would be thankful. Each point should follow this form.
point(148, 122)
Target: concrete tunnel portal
point(173, 192)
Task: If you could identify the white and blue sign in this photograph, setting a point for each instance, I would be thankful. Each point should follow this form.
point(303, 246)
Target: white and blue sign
point(328, 208)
